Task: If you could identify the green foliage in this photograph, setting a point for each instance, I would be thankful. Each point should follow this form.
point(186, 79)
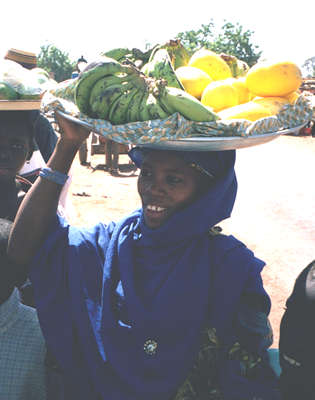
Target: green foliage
point(231, 39)
point(54, 60)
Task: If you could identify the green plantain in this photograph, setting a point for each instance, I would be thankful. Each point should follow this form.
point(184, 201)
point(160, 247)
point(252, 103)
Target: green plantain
point(160, 67)
point(187, 105)
point(118, 110)
point(91, 74)
point(133, 109)
point(143, 109)
point(104, 102)
point(102, 84)
point(154, 108)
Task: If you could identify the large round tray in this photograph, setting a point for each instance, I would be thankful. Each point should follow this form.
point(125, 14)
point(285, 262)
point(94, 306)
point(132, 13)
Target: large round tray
point(203, 143)
point(216, 143)
point(18, 105)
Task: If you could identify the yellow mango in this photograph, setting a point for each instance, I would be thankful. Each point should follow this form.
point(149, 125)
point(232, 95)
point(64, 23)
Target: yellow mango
point(193, 79)
point(211, 63)
point(243, 93)
point(274, 104)
point(273, 78)
point(220, 95)
point(250, 111)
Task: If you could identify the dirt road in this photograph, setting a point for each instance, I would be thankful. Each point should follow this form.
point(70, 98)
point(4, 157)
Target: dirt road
point(274, 213)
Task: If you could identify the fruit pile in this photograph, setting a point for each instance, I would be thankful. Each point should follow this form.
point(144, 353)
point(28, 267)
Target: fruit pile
point(128, 86)
point(235, 91)
point(119, 92)
point(19, 83)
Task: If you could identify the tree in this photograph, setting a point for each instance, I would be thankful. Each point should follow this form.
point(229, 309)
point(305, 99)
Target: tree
point(231, 39)
point(54, 60)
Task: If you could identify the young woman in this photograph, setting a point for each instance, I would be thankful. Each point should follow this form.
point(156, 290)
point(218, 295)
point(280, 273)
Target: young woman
point(159, 305)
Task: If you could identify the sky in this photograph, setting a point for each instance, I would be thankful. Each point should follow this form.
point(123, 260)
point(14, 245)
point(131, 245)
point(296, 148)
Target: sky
point(281, 29)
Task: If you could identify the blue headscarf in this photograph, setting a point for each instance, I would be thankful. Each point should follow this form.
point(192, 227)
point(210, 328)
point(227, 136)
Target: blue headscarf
point(122, 306)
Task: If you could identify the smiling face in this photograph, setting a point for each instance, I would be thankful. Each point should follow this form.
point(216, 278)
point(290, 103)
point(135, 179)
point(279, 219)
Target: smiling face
point(166, 184)
point(15, 148)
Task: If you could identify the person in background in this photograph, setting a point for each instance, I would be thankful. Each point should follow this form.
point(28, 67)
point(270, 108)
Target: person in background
point(296, 343)
point(17, 147)
point(45, 136)
point(80, 65)
point(112, 156)
point(17, 144)
point(159, 305)
point(22, 345)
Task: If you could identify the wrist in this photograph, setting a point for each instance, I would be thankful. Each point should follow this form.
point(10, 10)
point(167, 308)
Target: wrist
point(53, 175)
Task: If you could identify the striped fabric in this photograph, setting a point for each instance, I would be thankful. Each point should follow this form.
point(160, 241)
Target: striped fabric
point(22, 352)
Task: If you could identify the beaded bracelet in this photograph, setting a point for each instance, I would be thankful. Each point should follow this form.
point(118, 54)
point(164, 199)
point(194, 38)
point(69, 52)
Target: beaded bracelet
point(53, 176)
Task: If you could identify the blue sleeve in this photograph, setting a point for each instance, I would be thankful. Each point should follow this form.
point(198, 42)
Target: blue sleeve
point(244, 371)
point(68, 258)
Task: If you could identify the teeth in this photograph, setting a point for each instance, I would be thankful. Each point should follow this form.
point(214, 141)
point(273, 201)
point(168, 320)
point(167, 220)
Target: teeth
point(155, 208)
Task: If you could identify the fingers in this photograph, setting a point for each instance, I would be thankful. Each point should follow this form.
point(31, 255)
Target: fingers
point(72, 130)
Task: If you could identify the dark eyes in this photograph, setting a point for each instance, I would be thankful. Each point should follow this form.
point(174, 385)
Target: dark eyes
point(170, 179)
point(173, 180)
point(17, 146)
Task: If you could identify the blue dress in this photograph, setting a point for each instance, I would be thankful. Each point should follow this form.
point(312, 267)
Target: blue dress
point(177, 312)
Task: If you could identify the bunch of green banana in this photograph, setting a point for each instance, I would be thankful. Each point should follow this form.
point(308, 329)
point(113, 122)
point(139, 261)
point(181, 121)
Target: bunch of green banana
point(91, 74)
point(160, 67)
point(120, 93)
point(237, 67)
point(150, 107)
point(130, 103)
point(106, 90)
point(177, 100)
point(161, 101)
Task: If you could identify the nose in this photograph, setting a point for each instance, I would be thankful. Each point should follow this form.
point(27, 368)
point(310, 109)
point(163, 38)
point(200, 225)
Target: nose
point(156, 187)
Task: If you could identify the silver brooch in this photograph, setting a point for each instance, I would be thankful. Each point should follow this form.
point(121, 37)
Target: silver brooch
point(150, 347)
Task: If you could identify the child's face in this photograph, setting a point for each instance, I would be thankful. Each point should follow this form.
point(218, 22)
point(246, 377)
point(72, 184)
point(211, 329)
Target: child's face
point(166, 184)
point(14, 149)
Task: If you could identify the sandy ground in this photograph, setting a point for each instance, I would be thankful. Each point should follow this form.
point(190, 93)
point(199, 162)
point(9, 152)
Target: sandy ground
point(274, 213)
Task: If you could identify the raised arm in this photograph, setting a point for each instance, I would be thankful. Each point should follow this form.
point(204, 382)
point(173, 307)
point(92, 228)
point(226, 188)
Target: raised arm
point(39, 206)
